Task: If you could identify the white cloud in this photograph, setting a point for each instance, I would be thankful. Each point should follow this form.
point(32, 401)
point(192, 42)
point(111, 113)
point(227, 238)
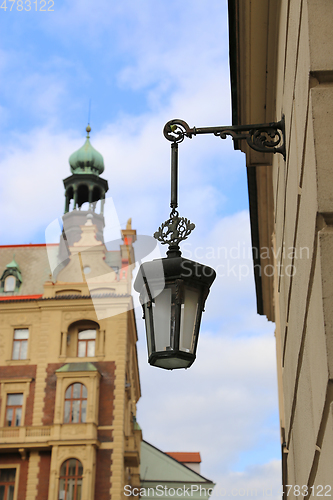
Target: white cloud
point(262, 481)
point(221, 406)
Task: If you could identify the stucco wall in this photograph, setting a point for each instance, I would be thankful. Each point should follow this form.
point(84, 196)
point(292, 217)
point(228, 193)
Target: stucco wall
point(303, 206)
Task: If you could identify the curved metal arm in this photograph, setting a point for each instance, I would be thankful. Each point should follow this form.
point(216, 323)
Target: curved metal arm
point(262, 137)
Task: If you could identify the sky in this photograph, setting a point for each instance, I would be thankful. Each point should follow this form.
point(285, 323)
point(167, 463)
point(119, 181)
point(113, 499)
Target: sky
point(141, 64)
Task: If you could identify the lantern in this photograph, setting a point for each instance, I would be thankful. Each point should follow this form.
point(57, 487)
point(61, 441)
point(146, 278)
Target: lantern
point(173, 291)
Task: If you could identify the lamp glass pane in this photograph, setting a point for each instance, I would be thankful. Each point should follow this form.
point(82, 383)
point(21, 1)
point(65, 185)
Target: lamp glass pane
point(172, 363)
point(148, 329)
point(187, 319)
point(161, 317)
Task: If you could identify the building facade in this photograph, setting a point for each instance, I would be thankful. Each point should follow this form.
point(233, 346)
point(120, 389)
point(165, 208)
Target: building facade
point(282, 65)
point(68, 362)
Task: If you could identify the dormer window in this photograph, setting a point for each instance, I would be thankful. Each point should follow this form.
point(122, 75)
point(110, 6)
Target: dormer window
point(11, 278)
point(10, 284)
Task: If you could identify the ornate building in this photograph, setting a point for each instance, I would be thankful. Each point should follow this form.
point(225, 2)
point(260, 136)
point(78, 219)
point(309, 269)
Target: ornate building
point(68, 361)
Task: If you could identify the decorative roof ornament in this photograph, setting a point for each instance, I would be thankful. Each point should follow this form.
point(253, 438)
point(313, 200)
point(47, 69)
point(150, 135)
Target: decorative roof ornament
point(87, 160)
point(13, 264)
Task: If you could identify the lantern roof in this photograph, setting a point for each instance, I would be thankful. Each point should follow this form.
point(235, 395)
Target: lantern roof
point(174, 267)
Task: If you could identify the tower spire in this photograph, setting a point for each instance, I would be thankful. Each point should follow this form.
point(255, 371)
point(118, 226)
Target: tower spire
point(84, 187)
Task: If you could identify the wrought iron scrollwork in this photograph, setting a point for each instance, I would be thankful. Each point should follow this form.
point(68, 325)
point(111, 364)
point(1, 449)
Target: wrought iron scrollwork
point(174, 230)
point(176, 130)
point(263, 137)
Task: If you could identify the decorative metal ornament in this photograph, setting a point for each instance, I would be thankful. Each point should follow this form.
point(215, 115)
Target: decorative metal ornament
point(174, 230)
point(262, 137)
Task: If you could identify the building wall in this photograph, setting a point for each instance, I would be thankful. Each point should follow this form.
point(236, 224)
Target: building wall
point(303, 203)
point(108, 443)
point(292, 75)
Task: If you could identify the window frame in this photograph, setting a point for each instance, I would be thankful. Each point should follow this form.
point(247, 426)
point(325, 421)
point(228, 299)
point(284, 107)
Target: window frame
point(69, 340)
point(72, 400)
point(91, 380)
point(20, 341)
point(14, 408)
point(67, 477)
point(7, 278)
point(14, 386)
point(85, 341)
point(15, 466)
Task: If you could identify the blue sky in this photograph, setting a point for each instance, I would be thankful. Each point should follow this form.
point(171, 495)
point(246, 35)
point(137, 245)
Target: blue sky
point(142, 64)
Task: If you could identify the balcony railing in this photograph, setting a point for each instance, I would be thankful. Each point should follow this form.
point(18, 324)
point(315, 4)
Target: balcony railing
point(44, 433)
point(9, 432)
point(24, 434)
point(37, 431)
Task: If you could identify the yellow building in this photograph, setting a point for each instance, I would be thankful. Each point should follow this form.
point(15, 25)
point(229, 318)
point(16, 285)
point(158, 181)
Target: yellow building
point(282, 64)
point(68, 361)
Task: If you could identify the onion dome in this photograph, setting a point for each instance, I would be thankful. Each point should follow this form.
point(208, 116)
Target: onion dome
point(86, 160)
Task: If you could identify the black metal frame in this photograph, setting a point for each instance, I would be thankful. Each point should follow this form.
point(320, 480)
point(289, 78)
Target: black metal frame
point(178, 274)
point(262, 137)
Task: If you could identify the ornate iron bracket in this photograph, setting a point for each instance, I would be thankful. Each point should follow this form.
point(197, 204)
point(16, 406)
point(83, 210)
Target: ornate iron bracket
point(262, 137)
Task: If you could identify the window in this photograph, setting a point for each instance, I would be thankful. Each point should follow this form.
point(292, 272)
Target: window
point(83, 339)
point(86, 343)
point(10, 284)
point(70, 480)
point(75, 404)
point(20, 344)
point(14, 410)
point(7, 484)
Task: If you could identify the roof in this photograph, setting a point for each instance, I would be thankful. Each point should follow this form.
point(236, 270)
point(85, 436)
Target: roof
point(86, 159)
point(251, 172)
point(20, 298)
point(33, 262)
point(29, 298)
point(157, 466)
point(34, 266)
point(78, 367)
point(185, 456)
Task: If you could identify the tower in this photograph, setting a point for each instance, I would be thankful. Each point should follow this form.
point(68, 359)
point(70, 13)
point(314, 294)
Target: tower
point(84, 186)
point(68, 361)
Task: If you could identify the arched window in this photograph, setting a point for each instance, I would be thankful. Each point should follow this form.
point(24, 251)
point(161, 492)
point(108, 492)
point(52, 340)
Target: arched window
point(10, 284)
point(70, 480)
point(83, 338)
point(75, 404)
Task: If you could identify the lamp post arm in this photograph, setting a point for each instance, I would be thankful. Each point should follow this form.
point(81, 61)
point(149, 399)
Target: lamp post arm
point(262, 137)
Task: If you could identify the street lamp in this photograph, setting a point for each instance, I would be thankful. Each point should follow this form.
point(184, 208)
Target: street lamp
point(173, 290)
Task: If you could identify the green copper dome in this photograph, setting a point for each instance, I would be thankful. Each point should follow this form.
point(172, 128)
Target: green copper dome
point(86, 160)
